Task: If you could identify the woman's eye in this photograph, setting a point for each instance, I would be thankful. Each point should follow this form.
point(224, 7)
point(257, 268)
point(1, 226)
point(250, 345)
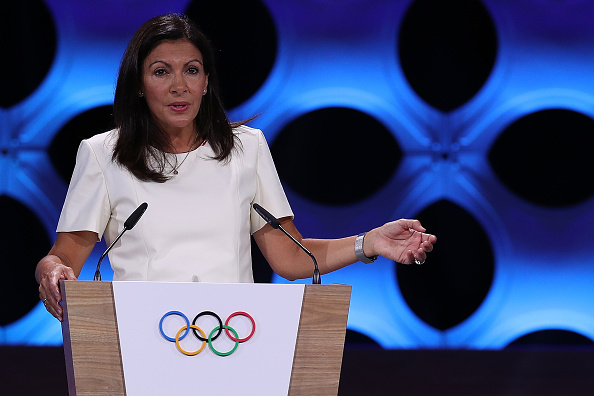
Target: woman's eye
point(193, 70)
point(160, 72)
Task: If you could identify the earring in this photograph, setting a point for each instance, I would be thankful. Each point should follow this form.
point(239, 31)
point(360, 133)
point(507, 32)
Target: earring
point(204, 92)
point(140, 94)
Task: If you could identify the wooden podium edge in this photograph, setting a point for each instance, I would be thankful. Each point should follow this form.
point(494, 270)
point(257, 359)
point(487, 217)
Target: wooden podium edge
point(91, 339)
point(320, 340)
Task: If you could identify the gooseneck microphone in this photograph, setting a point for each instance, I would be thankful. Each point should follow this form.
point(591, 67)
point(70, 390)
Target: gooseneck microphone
point(128, 225)
point(273, 221)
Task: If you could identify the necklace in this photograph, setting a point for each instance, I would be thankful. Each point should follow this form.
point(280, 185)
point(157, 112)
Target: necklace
point(177, 166)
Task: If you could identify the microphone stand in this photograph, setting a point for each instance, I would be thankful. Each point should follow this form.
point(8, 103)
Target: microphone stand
point(316, 280)
point(128, 225)
point(273, 221)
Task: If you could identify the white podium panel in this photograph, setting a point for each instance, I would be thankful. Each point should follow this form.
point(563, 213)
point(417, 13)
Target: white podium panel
point(152, 364)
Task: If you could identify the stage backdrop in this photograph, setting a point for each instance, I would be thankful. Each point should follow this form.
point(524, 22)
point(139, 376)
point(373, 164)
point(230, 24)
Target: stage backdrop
point(477, 117)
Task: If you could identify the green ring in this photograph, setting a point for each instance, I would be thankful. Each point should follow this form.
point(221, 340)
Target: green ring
point(213, 348)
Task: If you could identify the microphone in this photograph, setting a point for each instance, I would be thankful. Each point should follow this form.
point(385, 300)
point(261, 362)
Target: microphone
point(128, 225)
point(273, 221)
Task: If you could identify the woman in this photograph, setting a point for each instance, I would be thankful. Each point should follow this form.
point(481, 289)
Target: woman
point(174, 148)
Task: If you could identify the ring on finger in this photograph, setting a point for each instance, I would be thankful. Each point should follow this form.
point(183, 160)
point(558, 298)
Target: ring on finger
point(418, 262)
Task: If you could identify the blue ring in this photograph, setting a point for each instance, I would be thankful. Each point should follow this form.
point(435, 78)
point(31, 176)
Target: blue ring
point(174, 313)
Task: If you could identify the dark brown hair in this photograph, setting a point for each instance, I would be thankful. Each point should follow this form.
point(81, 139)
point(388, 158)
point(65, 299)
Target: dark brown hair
point(140, 141)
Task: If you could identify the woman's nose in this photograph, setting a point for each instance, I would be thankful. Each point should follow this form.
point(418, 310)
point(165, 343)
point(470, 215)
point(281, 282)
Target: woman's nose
point(178, 85)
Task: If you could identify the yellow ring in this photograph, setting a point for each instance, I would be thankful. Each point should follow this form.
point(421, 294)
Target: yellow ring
point(179, 346)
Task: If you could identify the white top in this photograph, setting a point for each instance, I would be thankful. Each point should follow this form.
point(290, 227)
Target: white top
point(197, 225)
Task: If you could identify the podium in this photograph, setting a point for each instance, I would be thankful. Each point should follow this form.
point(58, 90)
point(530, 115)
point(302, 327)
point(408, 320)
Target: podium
point(94, 339)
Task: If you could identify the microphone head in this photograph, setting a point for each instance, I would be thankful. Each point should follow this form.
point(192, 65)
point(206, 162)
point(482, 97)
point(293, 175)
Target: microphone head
point(135, 216)
point(270, 219)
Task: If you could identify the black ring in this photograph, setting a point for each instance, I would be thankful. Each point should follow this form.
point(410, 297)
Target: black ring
point(211, 314)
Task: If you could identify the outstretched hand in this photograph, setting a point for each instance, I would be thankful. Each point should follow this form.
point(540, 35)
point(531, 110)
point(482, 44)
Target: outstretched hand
point(403, 241)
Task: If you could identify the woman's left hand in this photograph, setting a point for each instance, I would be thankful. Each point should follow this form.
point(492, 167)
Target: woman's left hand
point(403, 241)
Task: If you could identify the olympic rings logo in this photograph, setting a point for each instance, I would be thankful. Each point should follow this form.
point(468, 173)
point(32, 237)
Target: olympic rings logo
point(212, 336)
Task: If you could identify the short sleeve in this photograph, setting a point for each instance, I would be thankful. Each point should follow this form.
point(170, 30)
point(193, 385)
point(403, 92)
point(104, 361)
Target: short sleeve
point(270, 193)
point(86, 207)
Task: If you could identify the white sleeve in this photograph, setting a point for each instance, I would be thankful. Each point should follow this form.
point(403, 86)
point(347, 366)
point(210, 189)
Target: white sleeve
point(270, 193)
point(86, 207)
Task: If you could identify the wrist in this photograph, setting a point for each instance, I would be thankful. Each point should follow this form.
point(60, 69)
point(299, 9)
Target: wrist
point(360, 250)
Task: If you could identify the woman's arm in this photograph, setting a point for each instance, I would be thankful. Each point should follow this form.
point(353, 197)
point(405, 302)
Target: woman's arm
point(64, 261)
point(403, 241)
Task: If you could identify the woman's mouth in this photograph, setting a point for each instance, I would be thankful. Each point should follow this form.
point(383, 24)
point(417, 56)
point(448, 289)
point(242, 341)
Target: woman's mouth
point(178, 107)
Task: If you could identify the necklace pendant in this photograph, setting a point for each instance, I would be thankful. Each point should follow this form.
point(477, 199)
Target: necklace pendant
point(175, 172)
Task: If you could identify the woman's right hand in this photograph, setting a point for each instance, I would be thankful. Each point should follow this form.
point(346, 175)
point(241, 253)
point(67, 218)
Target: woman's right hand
point(49, 272)
point(64, 261)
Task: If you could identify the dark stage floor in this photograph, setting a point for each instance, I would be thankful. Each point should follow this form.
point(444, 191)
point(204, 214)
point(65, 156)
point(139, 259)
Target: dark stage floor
point(41, 371)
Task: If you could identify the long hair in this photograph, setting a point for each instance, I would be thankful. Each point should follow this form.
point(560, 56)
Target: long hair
point(141, 143)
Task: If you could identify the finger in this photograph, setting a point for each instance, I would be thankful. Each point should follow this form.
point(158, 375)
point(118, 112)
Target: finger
point(427, 246)
point(52, 291)
point(416, 225)
point(54, 308)
point(44, 293)
point(421, 255)
point(46, 303)
point(58, 312)
point(68, 273)
point(54, 285)
point(410, 257)
point(428, 239)
point(54, 313)
point(413, 224)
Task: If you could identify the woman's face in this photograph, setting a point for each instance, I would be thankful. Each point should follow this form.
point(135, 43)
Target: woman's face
point(173, 83)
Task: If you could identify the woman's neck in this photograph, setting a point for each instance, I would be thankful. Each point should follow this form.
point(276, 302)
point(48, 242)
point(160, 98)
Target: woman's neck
point(183, 141)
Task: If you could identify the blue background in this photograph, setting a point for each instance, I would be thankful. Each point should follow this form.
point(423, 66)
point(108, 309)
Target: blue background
point(344, 54)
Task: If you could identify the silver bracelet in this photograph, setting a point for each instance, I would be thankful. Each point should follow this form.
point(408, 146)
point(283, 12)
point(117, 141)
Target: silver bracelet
point(359, 250)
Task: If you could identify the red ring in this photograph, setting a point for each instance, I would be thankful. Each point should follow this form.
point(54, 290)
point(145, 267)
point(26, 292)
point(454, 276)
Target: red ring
point(242, 314)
